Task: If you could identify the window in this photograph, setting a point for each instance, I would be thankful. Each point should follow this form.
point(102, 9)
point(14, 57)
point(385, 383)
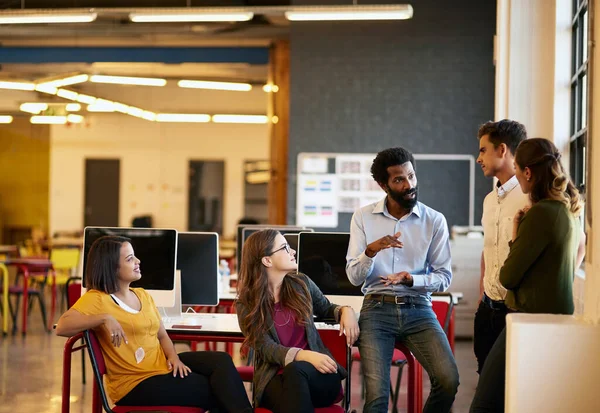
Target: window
point(579, 94)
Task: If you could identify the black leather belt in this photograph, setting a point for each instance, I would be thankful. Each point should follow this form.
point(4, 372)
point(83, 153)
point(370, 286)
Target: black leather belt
point(494, 304)
point(399, 300)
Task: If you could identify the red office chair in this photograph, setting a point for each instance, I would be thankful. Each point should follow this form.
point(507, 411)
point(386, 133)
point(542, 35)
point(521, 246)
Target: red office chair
point(97, 359)
point(398, 360)
point(340, 352)
point(444, 311)
point(73, 293)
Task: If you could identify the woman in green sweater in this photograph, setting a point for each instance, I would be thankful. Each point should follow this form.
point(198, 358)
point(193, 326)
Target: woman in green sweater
point(546, 247)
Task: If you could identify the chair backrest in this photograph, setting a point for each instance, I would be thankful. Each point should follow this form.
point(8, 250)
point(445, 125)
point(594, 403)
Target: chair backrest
point(443, 310)
point(336, 345)
point(98, 365)
point(64, 258)
point(73, 290)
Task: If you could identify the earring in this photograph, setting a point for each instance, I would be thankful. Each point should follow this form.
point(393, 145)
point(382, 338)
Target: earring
point(528, 179)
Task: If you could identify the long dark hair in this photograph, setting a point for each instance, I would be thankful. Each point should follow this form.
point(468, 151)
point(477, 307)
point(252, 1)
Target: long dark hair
point(103, 264)
point(550, 181)
point(254, 291)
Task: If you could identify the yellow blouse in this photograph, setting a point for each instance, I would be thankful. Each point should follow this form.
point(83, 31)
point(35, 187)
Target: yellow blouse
point(141, 330)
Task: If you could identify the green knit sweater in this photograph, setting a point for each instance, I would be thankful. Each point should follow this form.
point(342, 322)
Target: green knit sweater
point(540, 267)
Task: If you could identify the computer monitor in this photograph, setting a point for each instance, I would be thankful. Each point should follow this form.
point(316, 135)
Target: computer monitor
point(198, 261)
point(292, 240)
point(157, 251)
point(322, 257)
point(244, 231)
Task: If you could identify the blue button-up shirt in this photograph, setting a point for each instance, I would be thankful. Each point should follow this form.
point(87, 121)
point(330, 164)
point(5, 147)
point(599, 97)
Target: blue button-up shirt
point(425, 255)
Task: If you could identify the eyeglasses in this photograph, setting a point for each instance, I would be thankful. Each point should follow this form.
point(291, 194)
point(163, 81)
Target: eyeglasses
point(285, 247)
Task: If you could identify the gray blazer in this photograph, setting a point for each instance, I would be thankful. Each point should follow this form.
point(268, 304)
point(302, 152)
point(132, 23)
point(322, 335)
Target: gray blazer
point(270, 355)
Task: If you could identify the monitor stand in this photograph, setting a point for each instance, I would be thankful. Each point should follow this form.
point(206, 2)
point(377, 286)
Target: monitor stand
point(174, 312)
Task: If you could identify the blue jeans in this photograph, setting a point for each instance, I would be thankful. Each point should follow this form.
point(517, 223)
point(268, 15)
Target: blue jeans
point(416, 326)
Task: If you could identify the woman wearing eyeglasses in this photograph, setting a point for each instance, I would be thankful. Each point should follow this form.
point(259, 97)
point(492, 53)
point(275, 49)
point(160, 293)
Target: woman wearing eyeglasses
point(293, 371)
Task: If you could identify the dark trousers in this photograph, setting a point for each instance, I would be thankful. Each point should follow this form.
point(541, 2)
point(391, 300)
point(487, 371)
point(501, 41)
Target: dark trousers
point(213, 383)
point(489, 323)
point(489, 396)
point(301, 388)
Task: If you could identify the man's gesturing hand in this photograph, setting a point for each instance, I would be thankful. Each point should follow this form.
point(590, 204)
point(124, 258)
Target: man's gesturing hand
point(389, 241)
point(402, 277)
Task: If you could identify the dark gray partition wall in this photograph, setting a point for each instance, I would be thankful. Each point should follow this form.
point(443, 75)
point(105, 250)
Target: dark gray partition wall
point(425, 84)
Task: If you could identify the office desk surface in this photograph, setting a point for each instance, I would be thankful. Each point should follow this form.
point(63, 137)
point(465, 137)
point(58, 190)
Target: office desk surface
point(221, 324)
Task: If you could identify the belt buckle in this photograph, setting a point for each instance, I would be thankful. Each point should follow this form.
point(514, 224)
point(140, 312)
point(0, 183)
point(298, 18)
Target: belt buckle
point(401, 302)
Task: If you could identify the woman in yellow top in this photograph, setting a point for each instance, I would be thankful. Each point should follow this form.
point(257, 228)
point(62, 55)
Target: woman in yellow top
point(143, 368)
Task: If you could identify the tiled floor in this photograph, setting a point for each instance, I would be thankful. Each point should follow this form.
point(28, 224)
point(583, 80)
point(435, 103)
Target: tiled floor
point(31, 371)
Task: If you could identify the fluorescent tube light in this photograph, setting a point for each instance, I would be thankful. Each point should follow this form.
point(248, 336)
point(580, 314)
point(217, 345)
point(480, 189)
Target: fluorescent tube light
point(6, 119)
point(196, 16)
point(377, 12)
point(51, 90)
point(49, 120)
point(240, 119)
point(33, 107)
point(128, 80)
point(16, 85)
point(101, 105)
point(72, 107)
point(71, 80)
point(25, 18)
point(269, 87)
point(201, 84)
point(74, 118)
point(87, 99)
point(182, 117)
point(67, 94)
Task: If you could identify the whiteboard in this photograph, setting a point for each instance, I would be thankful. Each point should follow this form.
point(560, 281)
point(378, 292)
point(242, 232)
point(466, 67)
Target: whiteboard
point(330, 184)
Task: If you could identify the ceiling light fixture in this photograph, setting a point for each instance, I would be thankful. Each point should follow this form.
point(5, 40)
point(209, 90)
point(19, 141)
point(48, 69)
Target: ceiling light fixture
point(182, 117)
point(194, 15)
point(6, 119)
point(74, 118)
point(33, 107)
point(128, 80)
point(141, 113)
point(269, 87)
point(51, 90)
point(16, 85)
point(101, 105)
point(201, 84)
point(48, 120)
point(240, 119)
point(72, 107)
point(354, 12)
point(71, 80)
point(67, 94)
point(29, 18)
point(87, 99)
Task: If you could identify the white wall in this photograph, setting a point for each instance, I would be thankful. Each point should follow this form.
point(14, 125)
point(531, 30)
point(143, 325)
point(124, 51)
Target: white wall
point(155, 156)
point(552, 364)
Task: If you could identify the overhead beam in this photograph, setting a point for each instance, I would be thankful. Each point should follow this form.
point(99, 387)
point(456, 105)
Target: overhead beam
point(249, 55)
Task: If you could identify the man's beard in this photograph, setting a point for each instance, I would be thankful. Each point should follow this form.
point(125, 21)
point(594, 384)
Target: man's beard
point(406, 203)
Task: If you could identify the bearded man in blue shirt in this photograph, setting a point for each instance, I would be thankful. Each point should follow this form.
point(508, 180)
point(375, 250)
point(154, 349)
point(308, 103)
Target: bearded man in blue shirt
point(400, 253)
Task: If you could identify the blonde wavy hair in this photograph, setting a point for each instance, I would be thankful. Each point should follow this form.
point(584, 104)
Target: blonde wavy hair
point(549, 178)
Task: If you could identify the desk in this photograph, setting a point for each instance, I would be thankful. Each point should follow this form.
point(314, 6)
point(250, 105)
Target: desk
point(25, 266)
